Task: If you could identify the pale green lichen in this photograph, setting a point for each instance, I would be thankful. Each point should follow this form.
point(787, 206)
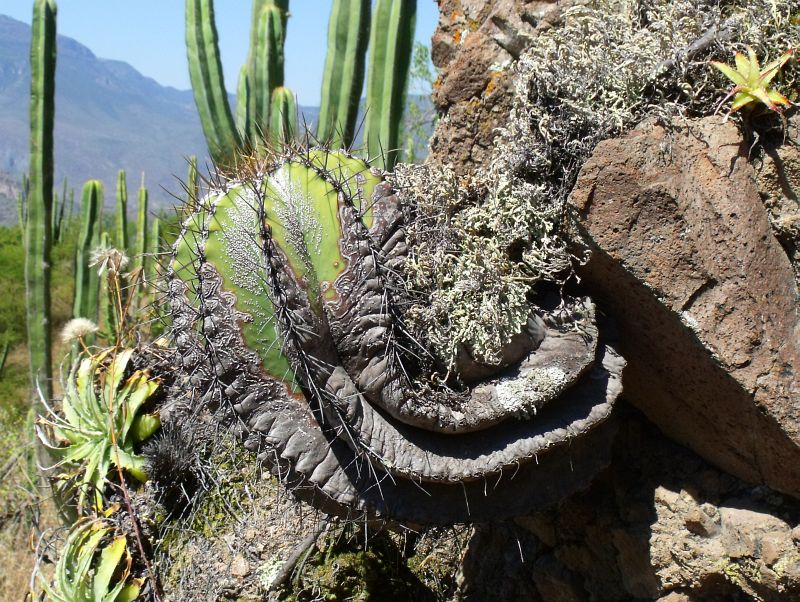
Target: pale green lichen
point(477, 253)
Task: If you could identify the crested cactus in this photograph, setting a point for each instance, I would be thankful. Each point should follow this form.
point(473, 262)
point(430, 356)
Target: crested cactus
point(343, 76)
point(39, 200)
point(287, 308)
point(390, 46)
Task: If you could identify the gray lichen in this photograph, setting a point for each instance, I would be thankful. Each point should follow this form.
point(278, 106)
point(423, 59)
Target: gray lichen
point(478, 253)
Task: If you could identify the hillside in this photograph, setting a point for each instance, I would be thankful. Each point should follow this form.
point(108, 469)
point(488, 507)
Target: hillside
point(108, 117)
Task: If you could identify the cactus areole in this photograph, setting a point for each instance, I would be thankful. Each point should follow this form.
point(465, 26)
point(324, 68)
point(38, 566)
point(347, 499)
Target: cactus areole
point(287, 293)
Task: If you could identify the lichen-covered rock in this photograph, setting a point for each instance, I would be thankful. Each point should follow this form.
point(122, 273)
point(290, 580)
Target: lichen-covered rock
point(683, 251)
point(288, 315)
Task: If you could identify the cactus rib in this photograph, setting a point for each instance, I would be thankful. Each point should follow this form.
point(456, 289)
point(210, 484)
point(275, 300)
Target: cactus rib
point(86, 281)
point(122, 212)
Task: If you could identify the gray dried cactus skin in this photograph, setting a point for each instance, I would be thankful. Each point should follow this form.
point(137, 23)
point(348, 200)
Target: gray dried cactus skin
point(285, 295)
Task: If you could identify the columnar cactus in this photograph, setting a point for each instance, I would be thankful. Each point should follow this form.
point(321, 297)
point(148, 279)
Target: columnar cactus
point(287, 308)
point(390, 46)
point(122, 211)
point(39, 200)
point(343, 76)
point(86, 280)
point(140, 254)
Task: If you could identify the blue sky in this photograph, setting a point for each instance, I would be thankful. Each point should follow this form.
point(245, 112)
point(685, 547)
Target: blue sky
point(149, 35)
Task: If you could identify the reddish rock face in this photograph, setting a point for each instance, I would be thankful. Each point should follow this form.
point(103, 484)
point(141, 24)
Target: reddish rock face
point(474, 46)
point(704, 295)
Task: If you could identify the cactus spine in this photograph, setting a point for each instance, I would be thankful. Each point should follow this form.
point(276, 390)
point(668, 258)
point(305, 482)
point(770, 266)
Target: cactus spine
point(122, 211)
point(208, 84)
point(391, 42)
point(86, 280)
point(39, 202)
point(343, 77)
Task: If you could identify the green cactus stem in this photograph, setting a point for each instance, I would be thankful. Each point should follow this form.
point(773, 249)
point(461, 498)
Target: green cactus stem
point(286, 289)
point(283, 116)
point(343, 76)
point(58, 213)
point(39, 201)
point(391, 43)
point(155, 247)
point(122, 212)
point(86, 280)
point(140, 255)
point(208, 83)
point(266, 68)
point(242, 102)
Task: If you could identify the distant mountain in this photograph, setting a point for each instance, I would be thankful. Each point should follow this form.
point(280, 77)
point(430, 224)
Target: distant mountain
point(108, 117)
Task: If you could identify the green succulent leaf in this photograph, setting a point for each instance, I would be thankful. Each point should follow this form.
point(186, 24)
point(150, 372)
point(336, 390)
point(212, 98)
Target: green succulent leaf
point(99, 431)
point(88, 570)
point(144, 426)
point(751, 81)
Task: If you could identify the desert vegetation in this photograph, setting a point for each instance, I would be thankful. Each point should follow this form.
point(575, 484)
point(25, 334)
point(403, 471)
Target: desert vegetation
point(330, 365)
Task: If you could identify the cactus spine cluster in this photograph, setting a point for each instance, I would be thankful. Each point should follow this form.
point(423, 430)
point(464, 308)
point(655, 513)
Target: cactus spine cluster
point(343, 77)
point(39, 202)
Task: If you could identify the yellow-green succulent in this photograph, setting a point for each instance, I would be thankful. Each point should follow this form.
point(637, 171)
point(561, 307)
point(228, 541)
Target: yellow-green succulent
point(751, 82)
point(89, 570)
point(100, 423)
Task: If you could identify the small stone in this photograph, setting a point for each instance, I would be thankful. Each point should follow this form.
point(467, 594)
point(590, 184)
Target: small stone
point(240, 567)
point(700, 523)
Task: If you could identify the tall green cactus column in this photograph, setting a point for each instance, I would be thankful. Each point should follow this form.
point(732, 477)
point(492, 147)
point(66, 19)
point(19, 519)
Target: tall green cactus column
point(40, 199)
point(122, 212)
point(140, 254)
point(266, 67)
point(208, 83)
point(391, 43)
point(343, 77)
point(86, 279)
